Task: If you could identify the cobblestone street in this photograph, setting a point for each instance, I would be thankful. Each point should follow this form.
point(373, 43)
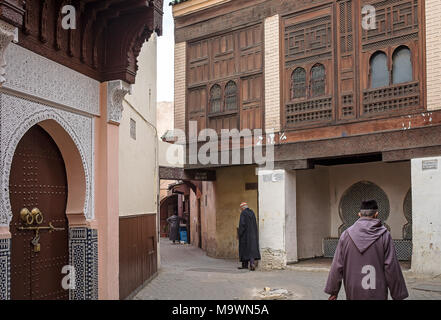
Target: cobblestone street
point(187, 273)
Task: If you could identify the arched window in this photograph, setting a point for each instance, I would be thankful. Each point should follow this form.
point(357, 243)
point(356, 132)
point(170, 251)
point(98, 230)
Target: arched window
point(379, 71)
point(231, 96)
point(298, 83)
point(402, 66)
point(318, 80)
point(215, 98)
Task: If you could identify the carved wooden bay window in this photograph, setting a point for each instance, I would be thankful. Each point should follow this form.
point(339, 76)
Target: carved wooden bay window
point(334, 71)
point(308, 101)
point(308, 56)
point(230, 68)
point(391, 60)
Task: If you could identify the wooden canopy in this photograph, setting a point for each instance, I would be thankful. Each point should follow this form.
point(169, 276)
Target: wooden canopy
point(106, 42)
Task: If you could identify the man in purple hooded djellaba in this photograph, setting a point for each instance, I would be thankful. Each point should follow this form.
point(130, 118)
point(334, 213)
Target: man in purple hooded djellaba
point(366, 261)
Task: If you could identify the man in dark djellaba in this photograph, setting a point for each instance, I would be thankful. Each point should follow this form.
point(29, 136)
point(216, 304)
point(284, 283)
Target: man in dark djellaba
point(248, 238)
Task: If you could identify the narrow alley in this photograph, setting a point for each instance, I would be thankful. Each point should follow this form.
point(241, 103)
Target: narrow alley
point(188, 274)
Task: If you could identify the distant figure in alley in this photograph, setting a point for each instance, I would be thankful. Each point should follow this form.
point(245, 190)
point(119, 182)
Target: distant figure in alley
point(248, 238)
point(366, 261)
point(173, 222)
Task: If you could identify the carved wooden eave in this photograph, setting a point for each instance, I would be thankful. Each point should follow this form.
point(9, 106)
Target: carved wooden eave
point(12, 12)
point(107, 40)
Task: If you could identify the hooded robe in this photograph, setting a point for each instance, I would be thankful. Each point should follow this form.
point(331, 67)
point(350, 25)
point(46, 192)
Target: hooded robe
point(367, 263)
point(248, 236)
point(174, 227)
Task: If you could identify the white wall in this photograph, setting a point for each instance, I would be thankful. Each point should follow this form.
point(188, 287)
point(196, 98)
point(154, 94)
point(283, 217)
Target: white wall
point(393, 178)
point(426, 219)
point(138, 159)
point(320, 190)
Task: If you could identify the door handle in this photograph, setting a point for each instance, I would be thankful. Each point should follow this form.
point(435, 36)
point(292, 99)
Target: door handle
point(35, 216)
point(31, 216)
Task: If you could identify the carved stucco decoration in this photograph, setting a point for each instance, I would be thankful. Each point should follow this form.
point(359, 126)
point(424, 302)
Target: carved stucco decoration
point(17, 115)
point(8, 33)
point(116, 91)
point(34, 75)
point(407, 209)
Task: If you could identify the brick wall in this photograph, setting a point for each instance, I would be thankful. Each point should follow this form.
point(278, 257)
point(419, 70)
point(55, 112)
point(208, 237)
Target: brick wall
point(433, 52)
point(272, 74)
point(180, 59)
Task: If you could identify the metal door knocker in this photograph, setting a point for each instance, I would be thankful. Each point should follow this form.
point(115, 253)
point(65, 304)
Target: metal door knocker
point(29, 217)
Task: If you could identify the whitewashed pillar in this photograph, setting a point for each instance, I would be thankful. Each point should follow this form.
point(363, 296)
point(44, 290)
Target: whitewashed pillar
point(426, 215)
point(277, 218)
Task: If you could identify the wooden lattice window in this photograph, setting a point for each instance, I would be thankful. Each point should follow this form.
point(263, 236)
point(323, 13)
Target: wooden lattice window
point(231, 96)
point(215, 98)
point(379, 71)
point(318, 76)
point(402, 66)
point(298, 83)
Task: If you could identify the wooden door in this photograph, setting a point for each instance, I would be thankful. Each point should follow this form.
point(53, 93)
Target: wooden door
point(38, 180)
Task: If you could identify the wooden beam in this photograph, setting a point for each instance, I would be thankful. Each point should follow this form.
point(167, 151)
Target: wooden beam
point(168, 173)
point(408, 154)
point(364, 144)
point(294, 164)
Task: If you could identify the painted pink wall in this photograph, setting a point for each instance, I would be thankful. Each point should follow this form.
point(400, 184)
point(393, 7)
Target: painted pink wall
point(4, 233)
point(106, 201)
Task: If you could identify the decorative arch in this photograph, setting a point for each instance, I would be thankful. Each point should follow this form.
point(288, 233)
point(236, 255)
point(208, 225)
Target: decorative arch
point(402, 70)
point(379, 71)
point(407, 210)
point(79, 184)
point(350, 203)
point(298, 83)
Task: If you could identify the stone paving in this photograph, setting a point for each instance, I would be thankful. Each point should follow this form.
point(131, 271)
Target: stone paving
point(186, 273)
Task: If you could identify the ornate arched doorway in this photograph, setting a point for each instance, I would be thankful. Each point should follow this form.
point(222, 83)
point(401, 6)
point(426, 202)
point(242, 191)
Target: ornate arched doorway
point(38, 181)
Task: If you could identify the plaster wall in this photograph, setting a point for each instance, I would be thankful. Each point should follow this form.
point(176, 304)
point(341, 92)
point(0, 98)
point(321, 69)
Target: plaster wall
point(230, 192)
point(208, 218)
point(194, 220)
point(313, 211)
point(138, 157)
point(426, 228)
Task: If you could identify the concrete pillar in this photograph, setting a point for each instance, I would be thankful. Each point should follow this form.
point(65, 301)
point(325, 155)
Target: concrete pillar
point(426, 215)
point(277, 218)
